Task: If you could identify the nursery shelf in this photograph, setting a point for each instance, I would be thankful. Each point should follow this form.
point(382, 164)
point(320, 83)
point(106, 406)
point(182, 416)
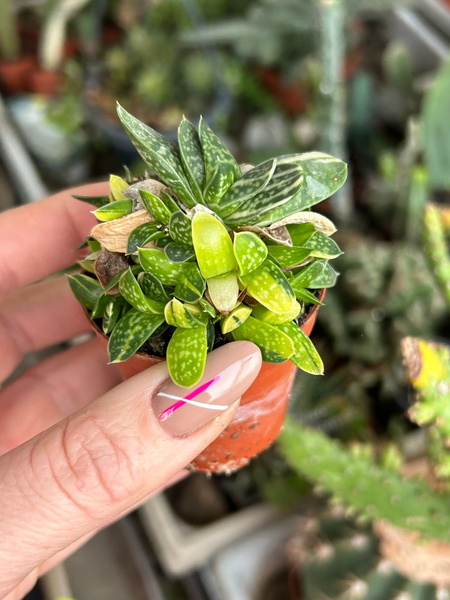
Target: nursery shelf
point(18, 163)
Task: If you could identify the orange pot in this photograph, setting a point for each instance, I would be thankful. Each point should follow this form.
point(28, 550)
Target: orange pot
point(45, 83)
point(259, 417)
point(15, 74)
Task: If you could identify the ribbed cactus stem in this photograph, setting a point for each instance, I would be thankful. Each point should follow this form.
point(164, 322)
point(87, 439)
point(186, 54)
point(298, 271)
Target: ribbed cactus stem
point(357, 482)
point(436, 247)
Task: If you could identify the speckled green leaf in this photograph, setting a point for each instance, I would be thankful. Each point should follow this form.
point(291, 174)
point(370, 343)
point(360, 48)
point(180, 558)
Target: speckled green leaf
point(97, 201)
point(178, 253)
point(169, 202)
point(192, 157)
point(224, 292)
point(305, 355)
point(316, 275)
point(275, 346)
point(132, 292)
point(306, 296)
point(99, 309)
point(117, 185)
point(270, 287)
point(300, 233)
point(264, 314)
point(142, 235)
point(207, 308)
point(180, 228)
point(85, 289)
point(186, 355)
point(288, 257)
point(136, 269)
point(152, 287)
point(160, 154)
point(113, 312)
point(133, 330)
point(250, 251)
point(155, 206)
point(249, 185)
point(156, 262)
point(322, 246)
point(282, 187)
point(114, 210)
point(235, 319)
point(323, 176)
point(222, 169)
point(179, 315)
point(213, 246)
point(191, 285)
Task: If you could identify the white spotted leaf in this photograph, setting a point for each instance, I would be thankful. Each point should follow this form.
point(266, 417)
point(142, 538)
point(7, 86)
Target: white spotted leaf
point(192, 157)
point(155, 206)
point(156, 262)
point(130, 333)
point(305, 355)
point(275, 346)
point(250, 251)
point(186, 355)
point(269, 286)
point(191, 285)
point(133, 294)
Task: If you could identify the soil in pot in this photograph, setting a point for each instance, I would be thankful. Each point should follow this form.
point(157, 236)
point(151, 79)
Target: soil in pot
point(15, 74)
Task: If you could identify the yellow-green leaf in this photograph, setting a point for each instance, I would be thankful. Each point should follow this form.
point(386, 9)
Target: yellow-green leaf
point(156, 262)
point(179, 315)
point(186, 355)
point(113, 210)
point(224, 292)
point(250, 251)
point(132, 292)
point(191, 285)
point(213, 246)
point(155, 207)
point(275, 345)
point(305, 355)
point(117, 185)
point(236, 317)
point(264, 314)
point(270, 287)
point(289, 257)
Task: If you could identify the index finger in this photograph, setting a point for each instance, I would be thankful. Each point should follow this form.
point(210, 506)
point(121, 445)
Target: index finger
point(40, 238)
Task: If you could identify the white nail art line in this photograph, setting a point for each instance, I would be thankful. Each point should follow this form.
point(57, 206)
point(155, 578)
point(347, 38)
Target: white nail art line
point(193, 402)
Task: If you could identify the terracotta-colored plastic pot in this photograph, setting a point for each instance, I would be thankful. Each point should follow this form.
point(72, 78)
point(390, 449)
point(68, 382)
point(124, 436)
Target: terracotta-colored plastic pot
point(259, 417)
point(15, 74)
point(45, 83)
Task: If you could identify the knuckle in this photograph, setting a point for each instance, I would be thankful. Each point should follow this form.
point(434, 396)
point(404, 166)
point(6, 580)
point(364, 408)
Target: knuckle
point(95, 466)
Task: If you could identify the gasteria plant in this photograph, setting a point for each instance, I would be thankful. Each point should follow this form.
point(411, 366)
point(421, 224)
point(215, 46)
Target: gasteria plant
point(209, 252)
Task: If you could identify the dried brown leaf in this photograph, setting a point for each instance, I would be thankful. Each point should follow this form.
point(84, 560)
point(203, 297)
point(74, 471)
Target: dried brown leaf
point(113, 235)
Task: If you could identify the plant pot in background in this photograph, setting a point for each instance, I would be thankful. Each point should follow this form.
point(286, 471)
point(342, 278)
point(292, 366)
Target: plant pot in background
point(45, 83)
point(259, 417)
point(15, 74)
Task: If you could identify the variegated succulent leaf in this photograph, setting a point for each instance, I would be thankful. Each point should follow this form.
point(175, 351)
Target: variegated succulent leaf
point(191, 285)
point(250, 251)
point(117, 186)
point(213, 246)
point(178, 253)
point(154, 261)
point(152, 287)
point(130, 333)
point(318, 274)
point(323, 176)
point(85, 289)
point(289, 257)
point(192, 157)
point(155, 207)
point(181, 315)
point(221, 168)
point(186, 355)
point(269, 286)
point(224, 292)
point(284, 184)
point(114, 210)
point(142, 235)
point(275, 345)
point(249, 185)
point(180, 228)
point(236, 318)
point(133, 294)
point(305, 355)
point(160, 154)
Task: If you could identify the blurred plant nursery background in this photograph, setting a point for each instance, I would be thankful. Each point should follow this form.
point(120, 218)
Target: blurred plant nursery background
point(328, 511)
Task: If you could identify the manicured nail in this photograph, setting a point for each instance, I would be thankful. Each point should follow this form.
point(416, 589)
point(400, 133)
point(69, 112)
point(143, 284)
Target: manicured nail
point(229, 372)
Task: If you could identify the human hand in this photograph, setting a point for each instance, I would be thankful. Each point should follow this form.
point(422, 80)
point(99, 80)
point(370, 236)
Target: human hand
point(75, 453)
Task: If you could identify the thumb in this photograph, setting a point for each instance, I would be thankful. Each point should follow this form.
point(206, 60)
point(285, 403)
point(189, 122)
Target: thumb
point(85, 471)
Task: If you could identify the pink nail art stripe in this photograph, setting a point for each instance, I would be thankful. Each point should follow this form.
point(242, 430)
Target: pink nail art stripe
point(201, 388)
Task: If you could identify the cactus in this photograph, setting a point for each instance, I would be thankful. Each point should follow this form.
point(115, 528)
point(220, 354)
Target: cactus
point(436, 225)
point(340, 560)
point(372, 490)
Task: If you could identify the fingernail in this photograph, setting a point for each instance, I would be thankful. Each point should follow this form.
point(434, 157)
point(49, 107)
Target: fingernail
point(229, 372)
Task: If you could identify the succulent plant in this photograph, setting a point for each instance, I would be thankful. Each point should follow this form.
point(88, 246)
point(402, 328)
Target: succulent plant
point(209, 252)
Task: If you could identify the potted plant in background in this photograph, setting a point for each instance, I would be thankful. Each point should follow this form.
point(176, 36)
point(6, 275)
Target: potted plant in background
point(47, 78)
point(14, 68)
point(235, 254)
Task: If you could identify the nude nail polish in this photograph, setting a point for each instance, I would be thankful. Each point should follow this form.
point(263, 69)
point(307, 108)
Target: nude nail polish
point(229, 372)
